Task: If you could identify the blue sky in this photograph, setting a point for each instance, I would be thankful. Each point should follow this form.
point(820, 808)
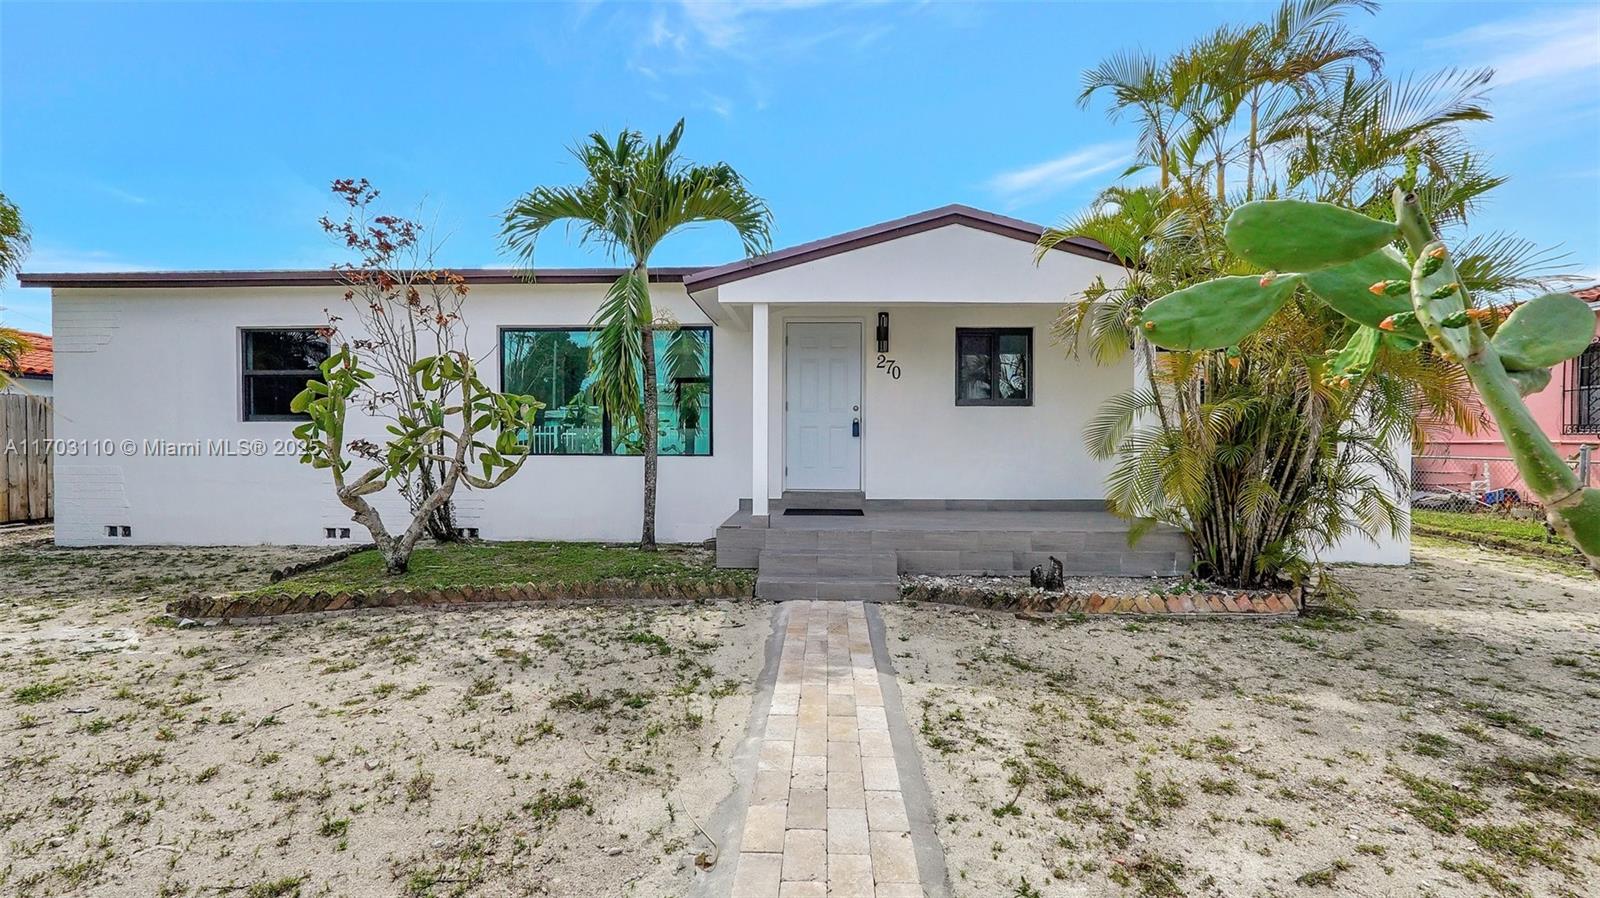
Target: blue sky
point(150, 136)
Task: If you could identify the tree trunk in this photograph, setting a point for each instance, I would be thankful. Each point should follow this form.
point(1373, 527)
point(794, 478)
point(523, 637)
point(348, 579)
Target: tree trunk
point(442, 521)
point(1250, 167)
point(649, 425)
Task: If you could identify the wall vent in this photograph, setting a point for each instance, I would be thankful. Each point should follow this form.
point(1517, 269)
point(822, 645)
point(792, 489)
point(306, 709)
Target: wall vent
point(467, 532)
point(119, 531)
point(336, 532)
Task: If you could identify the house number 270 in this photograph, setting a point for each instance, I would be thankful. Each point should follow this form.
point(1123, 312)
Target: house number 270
point(888, 365)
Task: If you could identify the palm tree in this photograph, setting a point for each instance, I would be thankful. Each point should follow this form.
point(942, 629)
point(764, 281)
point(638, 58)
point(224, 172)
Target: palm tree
point(1188, 106)
point(14, 242)
point(1304, 46)
point(1139, 84)
point(1257, 452)
point(636, 194)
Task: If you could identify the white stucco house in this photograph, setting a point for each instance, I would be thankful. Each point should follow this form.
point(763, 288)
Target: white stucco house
point(903, 374)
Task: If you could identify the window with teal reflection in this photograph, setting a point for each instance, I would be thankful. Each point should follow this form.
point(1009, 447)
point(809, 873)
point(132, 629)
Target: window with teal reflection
point(552, 364)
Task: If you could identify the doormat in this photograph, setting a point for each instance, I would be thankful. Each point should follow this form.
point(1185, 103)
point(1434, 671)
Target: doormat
point(830, 512)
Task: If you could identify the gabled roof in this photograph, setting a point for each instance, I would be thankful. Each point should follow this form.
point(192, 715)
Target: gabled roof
point(944, 216)
point(325, 277)
point(38, 360)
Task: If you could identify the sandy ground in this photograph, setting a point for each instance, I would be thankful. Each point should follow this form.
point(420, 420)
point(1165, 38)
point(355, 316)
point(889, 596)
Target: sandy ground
point(512, 751)
point(1444, 739)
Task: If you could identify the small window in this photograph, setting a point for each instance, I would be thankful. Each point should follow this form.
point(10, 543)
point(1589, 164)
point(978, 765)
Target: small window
point(552, 365)
point(1582, 405)
point(277, 364)
point(994, 366)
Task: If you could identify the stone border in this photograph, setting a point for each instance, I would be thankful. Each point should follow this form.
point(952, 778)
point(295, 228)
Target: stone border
point(300, 567)
point(1213, 604)
point(225, 607)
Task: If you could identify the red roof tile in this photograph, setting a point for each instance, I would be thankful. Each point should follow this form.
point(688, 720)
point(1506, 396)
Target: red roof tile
point(38, 360)
point(1588, 294)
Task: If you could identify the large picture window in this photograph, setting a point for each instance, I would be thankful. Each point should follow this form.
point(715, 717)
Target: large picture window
point(994, 366)
point(276, 364)
point(552, 365)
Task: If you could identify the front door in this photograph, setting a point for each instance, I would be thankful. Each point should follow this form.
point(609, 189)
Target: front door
point(822, 406)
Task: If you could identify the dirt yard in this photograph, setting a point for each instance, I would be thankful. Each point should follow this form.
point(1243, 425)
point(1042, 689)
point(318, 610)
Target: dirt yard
point(509, 751)
point(1444, 739)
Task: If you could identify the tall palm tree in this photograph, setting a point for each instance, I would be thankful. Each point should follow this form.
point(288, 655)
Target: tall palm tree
point(14, 242)
point(1256, 452)
point(1138, 83)
point(1303, 46)
point(636, 194)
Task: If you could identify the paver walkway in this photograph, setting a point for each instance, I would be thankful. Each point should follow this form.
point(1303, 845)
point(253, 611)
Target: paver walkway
point(827, 814)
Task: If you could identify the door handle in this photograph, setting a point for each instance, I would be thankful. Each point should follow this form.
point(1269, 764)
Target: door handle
point(855, 428)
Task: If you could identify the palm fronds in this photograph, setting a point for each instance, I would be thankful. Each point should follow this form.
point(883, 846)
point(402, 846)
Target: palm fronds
point(636, 194)
point(1258, 453)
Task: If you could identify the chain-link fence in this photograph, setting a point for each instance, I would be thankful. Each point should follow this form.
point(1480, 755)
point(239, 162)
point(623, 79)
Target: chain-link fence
point(1482, 483)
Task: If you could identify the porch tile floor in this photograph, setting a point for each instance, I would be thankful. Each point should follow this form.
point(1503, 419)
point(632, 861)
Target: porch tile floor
point(827, 816)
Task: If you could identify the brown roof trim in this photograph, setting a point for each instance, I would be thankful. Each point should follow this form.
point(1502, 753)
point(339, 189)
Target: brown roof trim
point(325, 277)
point(943, 216)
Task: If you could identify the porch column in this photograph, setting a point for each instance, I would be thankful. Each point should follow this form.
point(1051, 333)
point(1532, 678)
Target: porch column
point(760, 350)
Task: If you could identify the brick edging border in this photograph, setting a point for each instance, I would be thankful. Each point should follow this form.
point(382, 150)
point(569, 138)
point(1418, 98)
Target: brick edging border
point(321, 561)
point(1210, 604)
point(225, 607)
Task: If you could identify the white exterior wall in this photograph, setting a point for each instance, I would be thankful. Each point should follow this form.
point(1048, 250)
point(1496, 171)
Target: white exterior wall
point(952, 264)
point(31, 386)
point(916, 443)
point(1386, 549)
point(158, 364)
point(163, 364)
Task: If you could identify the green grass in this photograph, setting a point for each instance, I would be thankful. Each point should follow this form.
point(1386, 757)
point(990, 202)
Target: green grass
point(1522, 537)
point(495, 564)
point(34, 693)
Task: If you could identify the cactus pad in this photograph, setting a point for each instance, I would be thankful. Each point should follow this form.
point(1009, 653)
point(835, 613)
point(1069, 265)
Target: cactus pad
point(1531, 381)
point(1347, 289)
point(1545, 331)
point(1294, 235)
point(1215, 314)
point(1356, 358)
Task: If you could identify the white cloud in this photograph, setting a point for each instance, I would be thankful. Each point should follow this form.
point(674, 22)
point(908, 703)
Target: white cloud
point(1537, 47)
point(718, 104)
point(739, 40)
point(727, 24)
point(1054, 174)
point(118, 193)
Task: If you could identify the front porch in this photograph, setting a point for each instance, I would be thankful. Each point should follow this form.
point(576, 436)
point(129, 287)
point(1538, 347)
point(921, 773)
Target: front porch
point(861, 556)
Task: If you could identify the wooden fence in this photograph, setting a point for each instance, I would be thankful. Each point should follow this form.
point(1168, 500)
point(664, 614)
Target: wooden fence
point(27, 459)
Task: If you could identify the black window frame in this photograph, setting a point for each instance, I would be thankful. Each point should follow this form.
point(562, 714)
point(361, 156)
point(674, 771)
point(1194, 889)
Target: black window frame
point(246, 373)
point(1580, 406)
point(993, 334)
point(607, 447)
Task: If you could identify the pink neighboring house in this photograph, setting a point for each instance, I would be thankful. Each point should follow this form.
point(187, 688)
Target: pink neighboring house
point(1568, 410)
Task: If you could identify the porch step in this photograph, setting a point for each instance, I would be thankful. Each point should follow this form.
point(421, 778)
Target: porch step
point(837, 589)
point(784, 574)
point(832, 500)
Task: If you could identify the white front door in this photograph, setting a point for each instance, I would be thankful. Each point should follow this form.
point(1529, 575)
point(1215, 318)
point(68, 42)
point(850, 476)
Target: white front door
point(822, 406)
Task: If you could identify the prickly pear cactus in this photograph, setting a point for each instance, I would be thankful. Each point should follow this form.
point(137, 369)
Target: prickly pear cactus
point(1292, 235)
point(1349, 262)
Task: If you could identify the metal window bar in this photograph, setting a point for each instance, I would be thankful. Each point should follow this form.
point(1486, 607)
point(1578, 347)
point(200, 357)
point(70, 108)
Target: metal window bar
point(1580, 392)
